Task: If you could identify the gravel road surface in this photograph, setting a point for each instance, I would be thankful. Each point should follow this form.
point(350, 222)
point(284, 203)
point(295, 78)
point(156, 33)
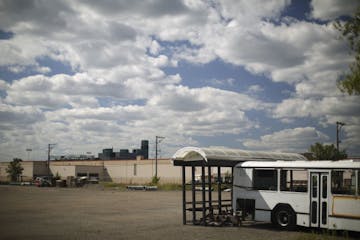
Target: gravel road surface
point(94, 213)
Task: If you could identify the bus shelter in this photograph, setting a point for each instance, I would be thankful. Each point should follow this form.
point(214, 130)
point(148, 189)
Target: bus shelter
point(210, 200)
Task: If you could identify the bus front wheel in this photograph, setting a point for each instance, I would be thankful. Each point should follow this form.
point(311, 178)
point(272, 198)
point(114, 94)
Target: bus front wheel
point(284, 217)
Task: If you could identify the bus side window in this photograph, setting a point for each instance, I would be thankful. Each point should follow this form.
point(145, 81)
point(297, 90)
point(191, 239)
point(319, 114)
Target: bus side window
point(358, 186)
point(343, 182)
point(293, 180)
point(265, 179)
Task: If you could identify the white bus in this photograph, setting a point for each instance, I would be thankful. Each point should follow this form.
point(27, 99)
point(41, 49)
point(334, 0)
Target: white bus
point(321, 194)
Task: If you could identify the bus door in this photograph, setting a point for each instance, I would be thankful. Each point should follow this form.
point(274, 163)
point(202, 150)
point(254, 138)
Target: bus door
point(319, 195)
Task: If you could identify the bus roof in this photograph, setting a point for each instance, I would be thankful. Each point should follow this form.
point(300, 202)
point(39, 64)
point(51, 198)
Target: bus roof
point(339, 164)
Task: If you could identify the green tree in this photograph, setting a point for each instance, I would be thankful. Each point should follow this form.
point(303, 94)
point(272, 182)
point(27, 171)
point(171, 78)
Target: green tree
point(327, 152)
point(14, 169)
point(350, 30)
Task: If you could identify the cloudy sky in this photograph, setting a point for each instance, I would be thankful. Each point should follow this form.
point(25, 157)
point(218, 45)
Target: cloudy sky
point(89, 75)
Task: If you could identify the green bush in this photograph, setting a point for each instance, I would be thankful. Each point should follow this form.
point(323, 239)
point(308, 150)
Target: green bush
point(155, 180)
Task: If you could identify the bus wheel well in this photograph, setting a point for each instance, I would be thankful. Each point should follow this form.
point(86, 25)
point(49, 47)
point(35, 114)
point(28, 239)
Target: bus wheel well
point(283, 205)
point(283, 216)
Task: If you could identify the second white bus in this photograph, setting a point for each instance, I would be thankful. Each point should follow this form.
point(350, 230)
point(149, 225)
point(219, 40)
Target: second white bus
point(321, 194)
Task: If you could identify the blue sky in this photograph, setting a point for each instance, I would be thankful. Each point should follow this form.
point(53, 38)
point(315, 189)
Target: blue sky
point(257, 75)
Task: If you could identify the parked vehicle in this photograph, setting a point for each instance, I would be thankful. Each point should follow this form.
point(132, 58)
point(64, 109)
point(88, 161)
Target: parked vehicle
point(43, 181)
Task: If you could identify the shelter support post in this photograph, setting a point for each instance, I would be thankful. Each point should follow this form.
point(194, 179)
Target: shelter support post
point(193, 194)
point(219, 187)
point(210, 191)
point(232, 188)
point(203, 195)
point(184, 193)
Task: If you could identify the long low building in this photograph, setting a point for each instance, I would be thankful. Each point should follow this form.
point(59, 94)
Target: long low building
point(120, 171)
point(31, 169)
point(141, 171)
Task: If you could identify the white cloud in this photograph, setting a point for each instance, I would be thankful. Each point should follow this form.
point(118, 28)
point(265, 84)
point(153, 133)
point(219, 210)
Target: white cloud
point(295, 140)
point(254, 89)
point(63, 90)
point(120, 91)
point(350, 141)
point(58, 91)
point(154, 47)
point(19, 116)
point(331, 9)
point(328, 111)
point(221, 82)
point(186, 111)
point(329, 106)
point(285, 52)
point(160, 61)
point(3, 85)
point(248, 12)
point(180, 97)
point(20, 52)
point(94, 128)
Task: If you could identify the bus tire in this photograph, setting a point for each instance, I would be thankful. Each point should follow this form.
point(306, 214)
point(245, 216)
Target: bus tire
point(284, 217)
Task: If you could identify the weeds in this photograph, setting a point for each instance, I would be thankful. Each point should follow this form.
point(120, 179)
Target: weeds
point(324, 235)
point(169, 187)
point(119, 186)
point(155, 180)
point(162, 187)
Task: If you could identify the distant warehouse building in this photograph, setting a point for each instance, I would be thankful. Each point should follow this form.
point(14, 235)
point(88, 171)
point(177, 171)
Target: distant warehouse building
point(31, 170)
point(122, 167)
point(125, 154)
point(120, 171)
point(130, 171)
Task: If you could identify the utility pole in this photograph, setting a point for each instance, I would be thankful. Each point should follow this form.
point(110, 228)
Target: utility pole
point(50, 146)
point(28, 150)
point(158, 139)
point(338, 129)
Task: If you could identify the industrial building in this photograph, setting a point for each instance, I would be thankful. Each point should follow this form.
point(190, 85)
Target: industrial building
point(120, 167)
point(130, 171)
point(122, 170)
point(31, 169)
point(126, 154)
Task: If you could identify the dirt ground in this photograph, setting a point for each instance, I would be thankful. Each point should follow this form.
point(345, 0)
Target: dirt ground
point(94, 213)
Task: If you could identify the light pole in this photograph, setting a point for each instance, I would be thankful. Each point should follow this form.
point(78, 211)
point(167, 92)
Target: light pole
point(28, 150)
point(50, 146)
point(338, 129)
point(158, 139)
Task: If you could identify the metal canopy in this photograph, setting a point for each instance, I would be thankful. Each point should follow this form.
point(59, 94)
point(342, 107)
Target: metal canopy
point(214, 208)
point(227, 157)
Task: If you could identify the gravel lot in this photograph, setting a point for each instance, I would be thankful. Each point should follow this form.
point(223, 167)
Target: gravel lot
point(94, 213)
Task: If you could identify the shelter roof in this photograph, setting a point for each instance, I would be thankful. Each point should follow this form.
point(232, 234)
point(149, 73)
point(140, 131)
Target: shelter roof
point(227, 157)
